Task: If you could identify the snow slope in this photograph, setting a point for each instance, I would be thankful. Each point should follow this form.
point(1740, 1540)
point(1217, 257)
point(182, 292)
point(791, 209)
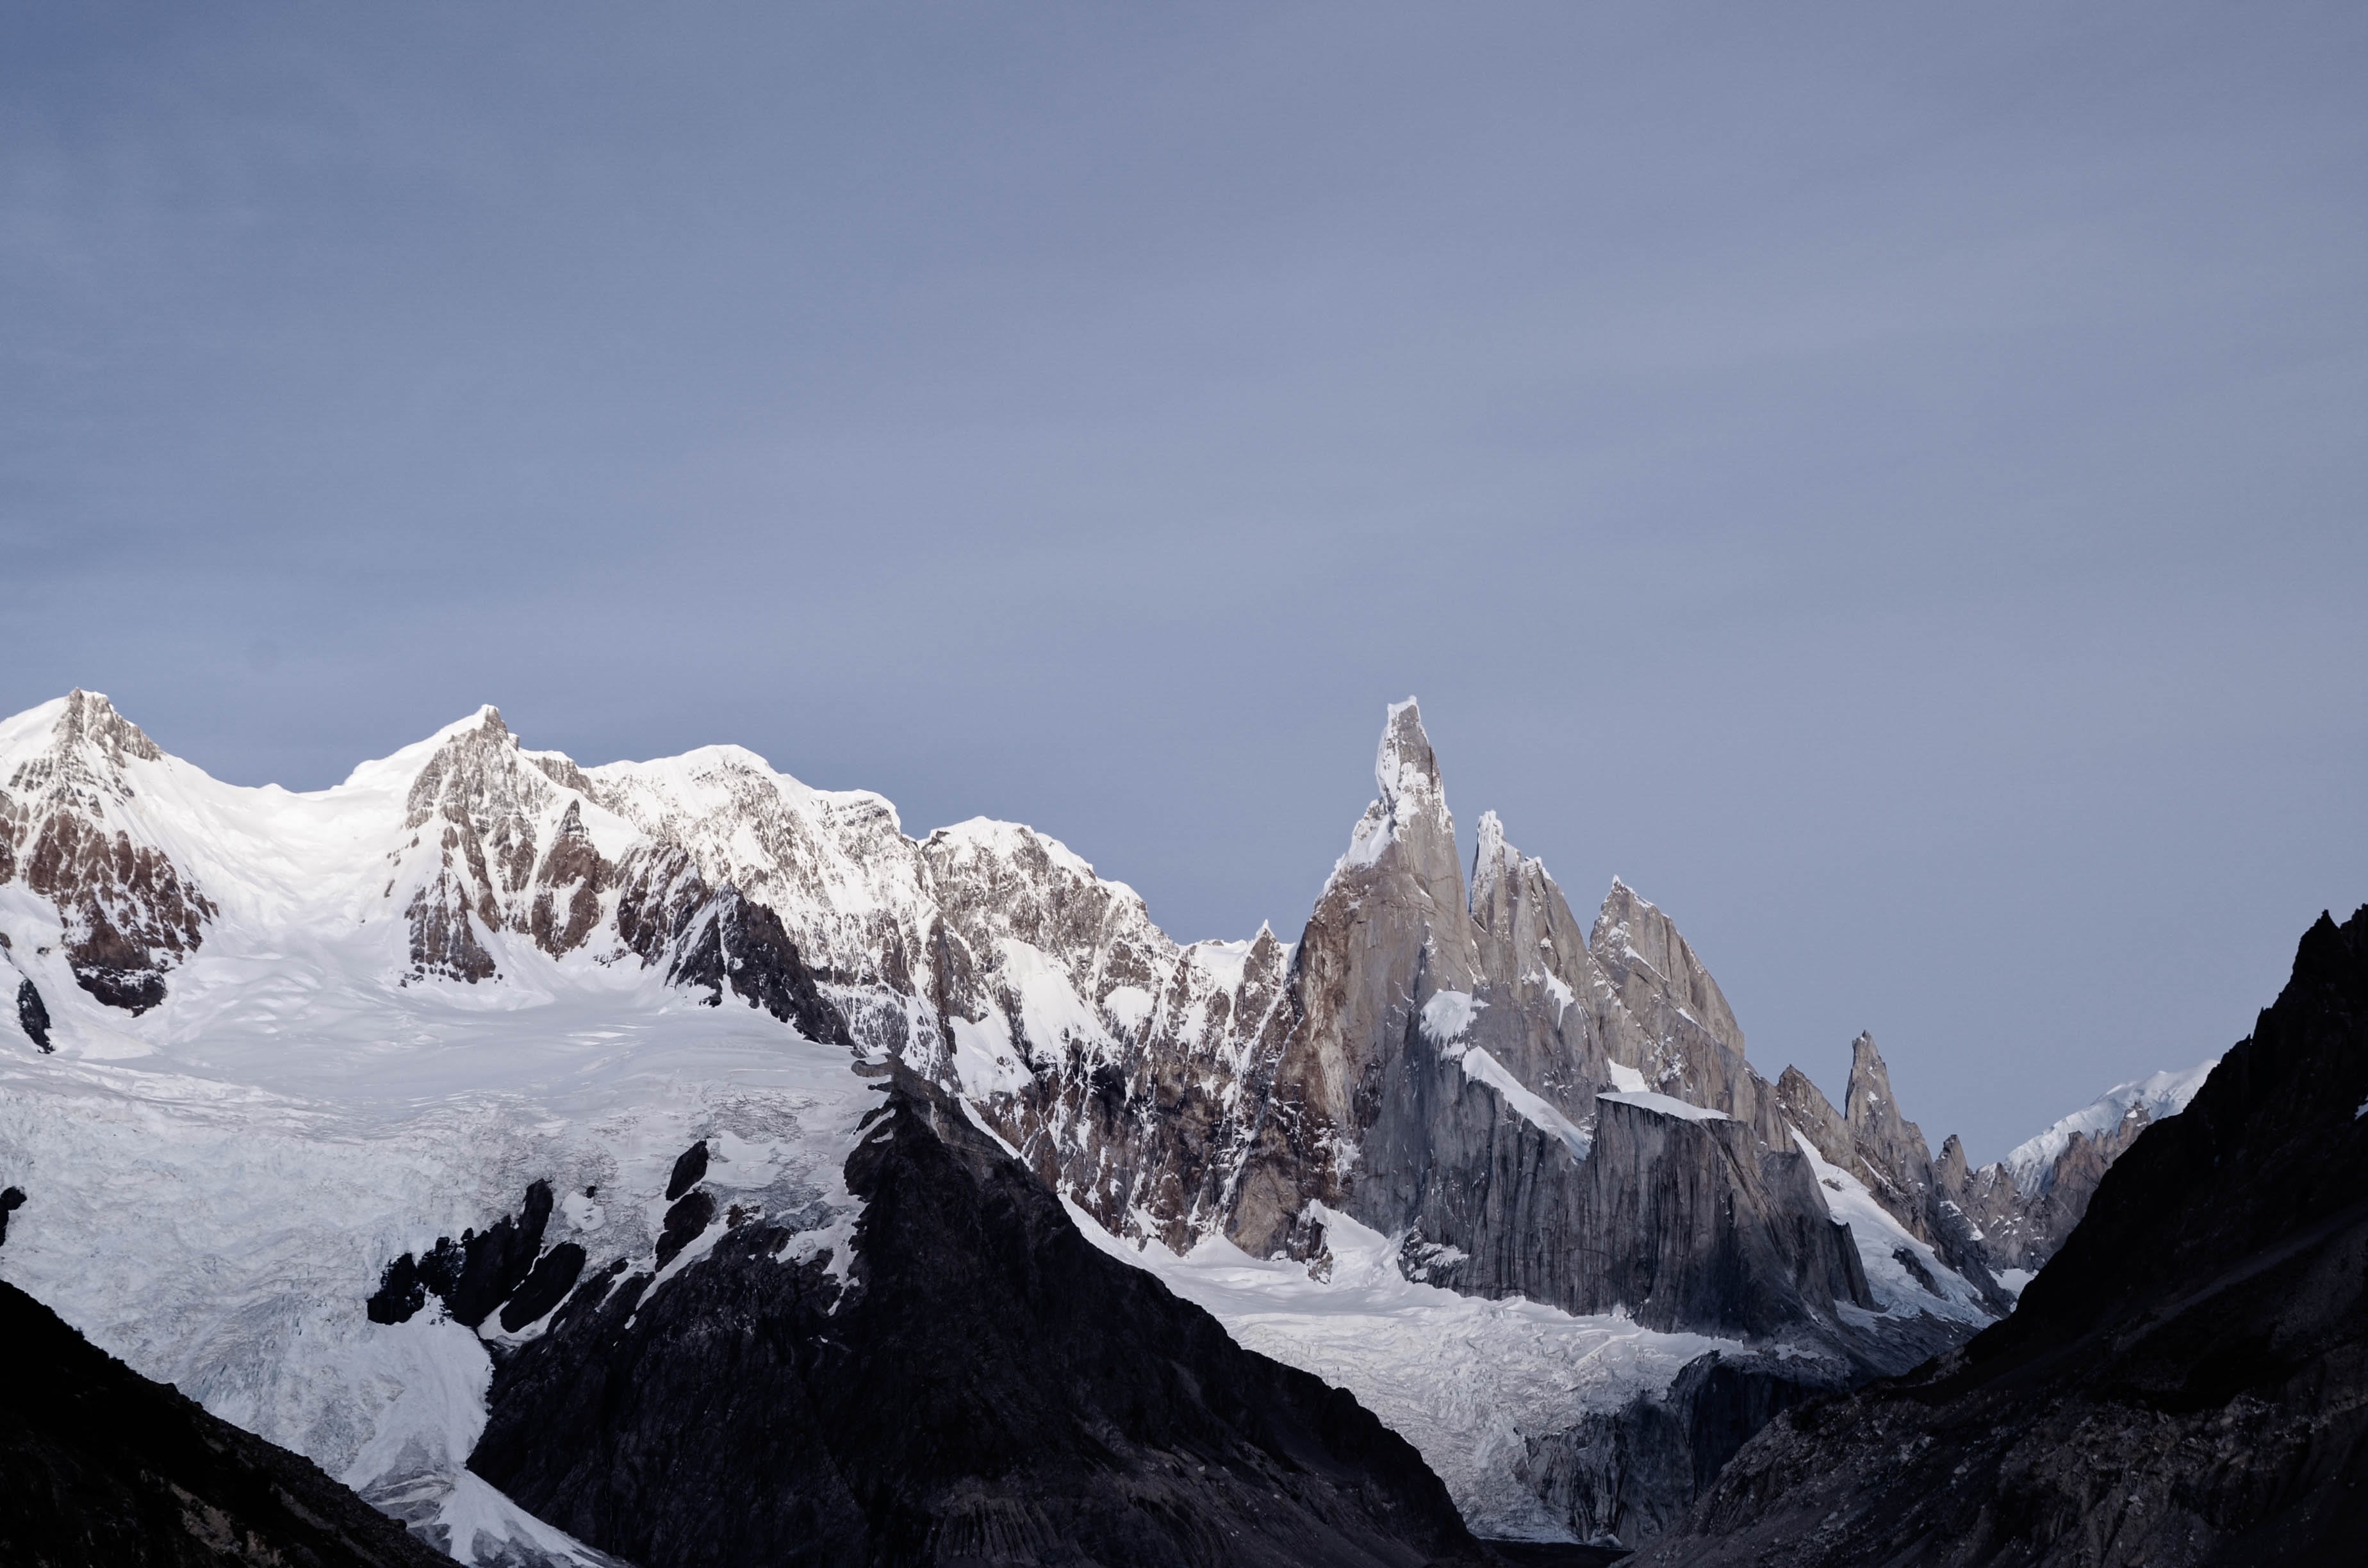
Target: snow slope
point(1882, 1240)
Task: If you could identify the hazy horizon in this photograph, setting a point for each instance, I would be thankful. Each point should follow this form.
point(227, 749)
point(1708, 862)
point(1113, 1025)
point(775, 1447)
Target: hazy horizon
point(1887, 484)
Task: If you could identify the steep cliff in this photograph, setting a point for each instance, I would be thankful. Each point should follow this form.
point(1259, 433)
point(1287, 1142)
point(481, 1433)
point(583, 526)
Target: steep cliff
point(1463, 1071)
point(2185, 1382)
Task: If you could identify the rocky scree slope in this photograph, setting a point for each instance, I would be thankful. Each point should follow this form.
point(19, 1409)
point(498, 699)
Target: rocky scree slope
point(2185, 1382)
point(104, 1466)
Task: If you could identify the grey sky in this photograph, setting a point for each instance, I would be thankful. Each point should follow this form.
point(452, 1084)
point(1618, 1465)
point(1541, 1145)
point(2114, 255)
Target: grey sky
point(1888, 480)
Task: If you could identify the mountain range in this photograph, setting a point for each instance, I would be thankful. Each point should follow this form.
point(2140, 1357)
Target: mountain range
point(449, 1126)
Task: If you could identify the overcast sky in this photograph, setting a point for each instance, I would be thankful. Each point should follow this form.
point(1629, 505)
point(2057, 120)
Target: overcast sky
point(1891, 482)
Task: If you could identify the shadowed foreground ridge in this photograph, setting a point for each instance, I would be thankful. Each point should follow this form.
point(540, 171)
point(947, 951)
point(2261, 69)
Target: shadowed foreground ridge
point(988, 1387)
point(98, 1465)
point(2185, 1383)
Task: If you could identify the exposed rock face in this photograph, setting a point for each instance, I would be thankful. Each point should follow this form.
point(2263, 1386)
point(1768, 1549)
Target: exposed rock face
point(689, 1169)
point(2185, 1382)
point(478, 1273)
point(71, 828)
point(1445, 1076)
point(493, 844)
point(977, 1382)
point(730, 941)
point(104, 1466)
point(1688, 1039)
point(31, 1015)
point(1887, 1152)
point(2021, 1230)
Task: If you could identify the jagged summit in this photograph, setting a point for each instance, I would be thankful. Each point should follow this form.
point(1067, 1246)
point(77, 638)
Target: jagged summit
point(1409, 812)
point(1869, 1105)
point(1405, 764)
point(89, 716)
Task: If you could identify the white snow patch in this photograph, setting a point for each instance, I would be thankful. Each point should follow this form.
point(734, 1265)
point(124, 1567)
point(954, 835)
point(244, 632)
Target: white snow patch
point(1011, 841)
point(1449, 1013)
point(985, 1057)
point(1533, 1109)
point(215, 1210)
point(1445, 1017)
point(1627, 1080)
point(1665, 1104)
point(1375, 831)
point(1223, 962)
point(1130, 1005)
point(1050, 1011)
point(2012, 1280)
point(1559, 989)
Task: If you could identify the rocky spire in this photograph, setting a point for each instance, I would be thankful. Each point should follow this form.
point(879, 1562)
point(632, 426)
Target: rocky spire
point(1525, 932)
point(1951, 1170)
point(1494, 864)
point(1806, 1110)
point(1639, 947)
point(1891, 1148)
point(1410, 821)
point(1868, 1104)
point(1389, 931)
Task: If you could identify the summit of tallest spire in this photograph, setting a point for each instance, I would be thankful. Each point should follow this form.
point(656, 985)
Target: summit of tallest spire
point(1405, 764)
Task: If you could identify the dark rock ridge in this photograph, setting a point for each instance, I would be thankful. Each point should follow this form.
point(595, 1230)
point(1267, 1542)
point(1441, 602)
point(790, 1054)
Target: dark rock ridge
point(977, 1384)
point(2185, 1382)
point(689, 1170)
point(103, 1466)
point(481, 1272)
point(727, 941)
point(31, 1015)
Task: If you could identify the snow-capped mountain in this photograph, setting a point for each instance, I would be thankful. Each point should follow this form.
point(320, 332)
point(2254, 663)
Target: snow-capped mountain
point(2025, 1205)
point(327, 1033)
